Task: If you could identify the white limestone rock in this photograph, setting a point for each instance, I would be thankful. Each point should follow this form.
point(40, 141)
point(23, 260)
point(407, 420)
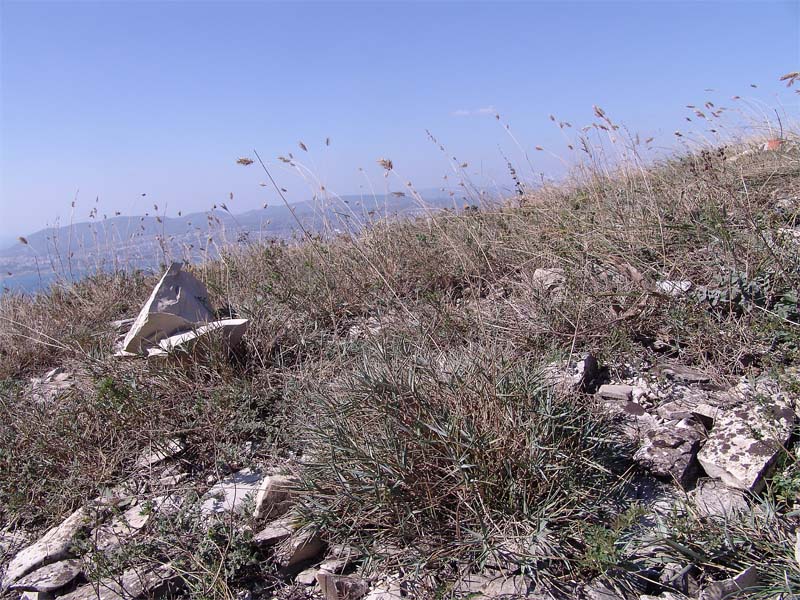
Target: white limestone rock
point(307, 577)
point(177, 303)
point(230, 494)
point(117, 531)
point(160, 451)
point(49, 578)
point(302, 545)
point(274, 497)
point(136, 582)
point(548, 280)
point(745, 442)
point(53, 546)
point(624, 393)
point(387, 590)
point(275, 532)
point(674, 288)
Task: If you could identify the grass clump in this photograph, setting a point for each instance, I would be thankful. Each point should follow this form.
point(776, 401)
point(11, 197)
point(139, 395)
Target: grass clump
point(451, 456)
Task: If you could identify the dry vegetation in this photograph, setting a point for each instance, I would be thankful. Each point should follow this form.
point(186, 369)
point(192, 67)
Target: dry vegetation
point(407, 364)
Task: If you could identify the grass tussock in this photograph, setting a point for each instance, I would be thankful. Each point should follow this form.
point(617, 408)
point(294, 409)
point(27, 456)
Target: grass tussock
point(449, 455)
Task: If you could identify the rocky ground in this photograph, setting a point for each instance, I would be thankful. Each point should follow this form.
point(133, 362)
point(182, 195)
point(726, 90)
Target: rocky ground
point(704, 449)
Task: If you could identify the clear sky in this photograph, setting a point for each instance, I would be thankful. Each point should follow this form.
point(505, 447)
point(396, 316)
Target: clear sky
point(119, 99)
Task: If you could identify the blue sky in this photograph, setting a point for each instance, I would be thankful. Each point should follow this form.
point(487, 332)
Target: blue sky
point(113, 100)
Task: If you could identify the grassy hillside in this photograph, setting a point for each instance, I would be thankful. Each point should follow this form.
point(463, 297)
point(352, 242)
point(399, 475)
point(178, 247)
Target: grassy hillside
point(405, 377)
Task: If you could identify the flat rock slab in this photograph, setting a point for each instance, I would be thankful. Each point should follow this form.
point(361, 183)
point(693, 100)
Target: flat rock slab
point(712, 498)
point(115, 533)
point(230, 494)
point(623, 393)
point(307, 577)
point(53, 546)
point(515, 586)
point(51, 385)
point(634, 421)
point(683, 373)
point(745, 442)
point(49, 578)
point(390, 590)
point(276, 532)
point(702, 405)
point(670, 450)
point(138, 582)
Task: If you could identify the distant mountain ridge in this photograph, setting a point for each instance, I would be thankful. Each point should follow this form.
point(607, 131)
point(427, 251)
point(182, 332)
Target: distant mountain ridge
point(145, 241)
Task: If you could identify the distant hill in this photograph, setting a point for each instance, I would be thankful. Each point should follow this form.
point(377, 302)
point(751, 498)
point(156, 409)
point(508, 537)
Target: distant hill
point(146, 241)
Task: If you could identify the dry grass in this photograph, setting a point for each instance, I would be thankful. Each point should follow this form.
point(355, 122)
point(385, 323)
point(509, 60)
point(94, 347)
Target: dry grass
point(405, 359)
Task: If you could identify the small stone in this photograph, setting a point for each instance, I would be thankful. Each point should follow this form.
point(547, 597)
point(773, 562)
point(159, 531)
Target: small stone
point(338, 587)
point(49, 578)
point(48, 387)
point(276, 532)
point(160, 451)
point(339, 558)
point(599, 591)
point(638, 394)
point(674, 288)
point(390, 590)
point(697, 405)
point(616, 392)
point(113, 535)
point(679, 578)
point(548, 280)
point(633, 420)
point(173, 480)
point(720, 590)
point(37, 596)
